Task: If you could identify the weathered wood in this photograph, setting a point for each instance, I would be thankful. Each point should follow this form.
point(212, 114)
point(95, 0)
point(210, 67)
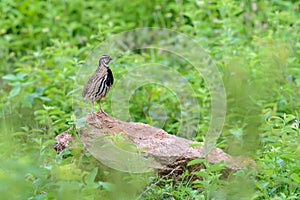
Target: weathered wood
point(157, 149)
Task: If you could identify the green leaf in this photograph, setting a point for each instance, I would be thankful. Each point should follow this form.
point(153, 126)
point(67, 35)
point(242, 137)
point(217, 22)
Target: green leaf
point(14, 84)
point(20, 76)
point(262, 184)
point(9, 77)
point(107, 186)
point(237, 132)
point(16, 90)
point(295, 177)
point(196, 145)
point(201, 173)
point(196, 161)
point(90, 178)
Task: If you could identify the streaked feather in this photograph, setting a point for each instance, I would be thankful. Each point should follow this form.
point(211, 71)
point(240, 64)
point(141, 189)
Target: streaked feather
point(99, 83)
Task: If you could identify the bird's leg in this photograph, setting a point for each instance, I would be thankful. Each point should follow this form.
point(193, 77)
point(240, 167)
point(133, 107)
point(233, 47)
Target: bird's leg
point(100, 108)
point(92, 106)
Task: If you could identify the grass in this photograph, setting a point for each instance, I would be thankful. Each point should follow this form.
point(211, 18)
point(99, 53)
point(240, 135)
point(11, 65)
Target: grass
point(254, 44)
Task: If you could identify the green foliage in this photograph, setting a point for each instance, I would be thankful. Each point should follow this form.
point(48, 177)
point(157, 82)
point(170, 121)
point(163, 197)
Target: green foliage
point(255, 45)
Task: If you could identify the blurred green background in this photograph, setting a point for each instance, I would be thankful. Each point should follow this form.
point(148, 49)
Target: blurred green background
point(255, 45)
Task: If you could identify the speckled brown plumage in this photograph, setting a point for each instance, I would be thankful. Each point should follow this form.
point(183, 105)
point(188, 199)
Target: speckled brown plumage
point(99, 83)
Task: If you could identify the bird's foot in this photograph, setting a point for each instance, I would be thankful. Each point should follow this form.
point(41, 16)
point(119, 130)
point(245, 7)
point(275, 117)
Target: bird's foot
point(96, 114)
point(100, 113)
point(104, 113)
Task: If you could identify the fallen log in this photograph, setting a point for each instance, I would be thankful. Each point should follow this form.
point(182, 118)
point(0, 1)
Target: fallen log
point(138, 147)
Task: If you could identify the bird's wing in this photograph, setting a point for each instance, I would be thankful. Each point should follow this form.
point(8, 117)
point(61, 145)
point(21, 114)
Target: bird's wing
point(89, 86)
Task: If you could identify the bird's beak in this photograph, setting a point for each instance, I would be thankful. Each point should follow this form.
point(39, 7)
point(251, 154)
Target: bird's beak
point(110, 59)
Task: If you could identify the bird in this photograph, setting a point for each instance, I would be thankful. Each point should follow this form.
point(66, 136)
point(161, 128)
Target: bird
point(99, 83)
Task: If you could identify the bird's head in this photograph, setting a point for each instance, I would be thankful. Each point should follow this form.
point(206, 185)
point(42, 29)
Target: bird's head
point(104, 60)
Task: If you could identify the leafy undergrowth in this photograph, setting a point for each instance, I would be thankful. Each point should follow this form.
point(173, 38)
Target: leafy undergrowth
point(254, 44)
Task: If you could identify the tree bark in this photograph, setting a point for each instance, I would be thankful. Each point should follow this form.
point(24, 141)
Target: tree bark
point(138, 147)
